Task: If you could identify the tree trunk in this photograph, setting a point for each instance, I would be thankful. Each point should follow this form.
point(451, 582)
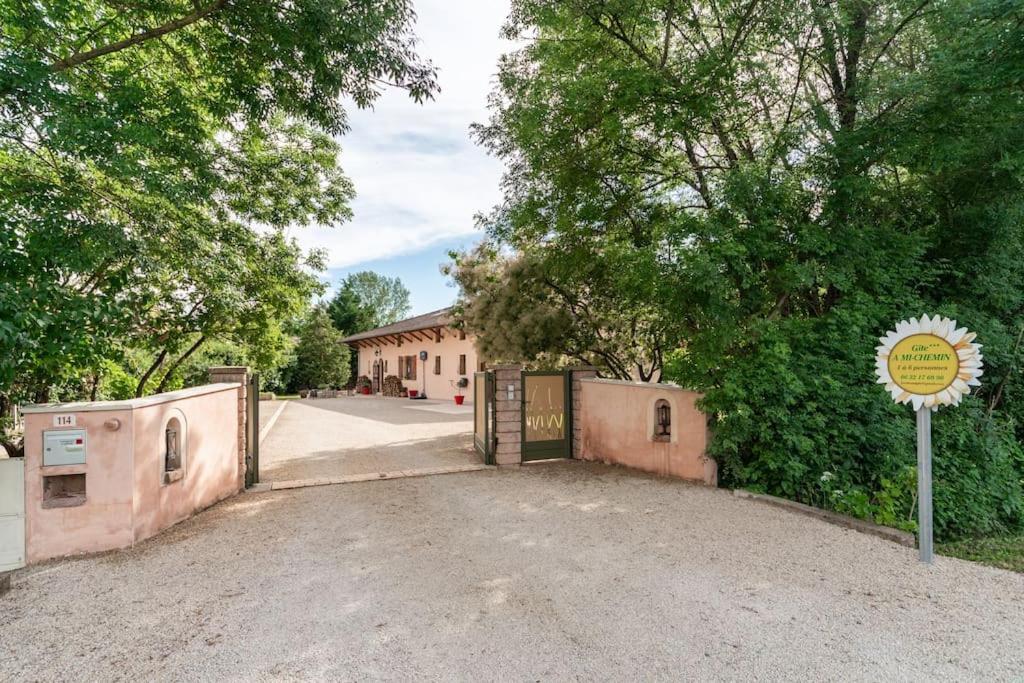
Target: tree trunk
point(141, 387)
point(181, 359)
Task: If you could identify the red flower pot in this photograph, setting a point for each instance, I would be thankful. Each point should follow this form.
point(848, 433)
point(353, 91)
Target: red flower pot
point(459, 400)
point(366, 391)
point(413, 393)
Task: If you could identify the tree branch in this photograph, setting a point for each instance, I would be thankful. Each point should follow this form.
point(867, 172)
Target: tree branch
point(200, 12)
point(181, 359)
point(140, 388)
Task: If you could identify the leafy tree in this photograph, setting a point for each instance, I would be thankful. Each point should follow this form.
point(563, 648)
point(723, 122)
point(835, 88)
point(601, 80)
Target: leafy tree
point(796, 177)
point(535, 304)
point(141, 144)
point(321, 357)
point(366, 300)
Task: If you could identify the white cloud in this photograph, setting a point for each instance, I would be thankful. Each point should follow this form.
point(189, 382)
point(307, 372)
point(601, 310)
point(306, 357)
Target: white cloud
point(418, 176)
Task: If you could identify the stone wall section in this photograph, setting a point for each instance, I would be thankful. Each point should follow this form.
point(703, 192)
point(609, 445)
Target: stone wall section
point(508, 414)
point(579, 373)
point(240, 374)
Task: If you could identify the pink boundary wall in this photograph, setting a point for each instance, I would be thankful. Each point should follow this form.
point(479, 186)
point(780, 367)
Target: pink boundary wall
point(126, 498)
point(618, 426)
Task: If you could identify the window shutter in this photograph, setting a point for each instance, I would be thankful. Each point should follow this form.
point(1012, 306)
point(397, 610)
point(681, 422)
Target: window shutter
point(462, 364)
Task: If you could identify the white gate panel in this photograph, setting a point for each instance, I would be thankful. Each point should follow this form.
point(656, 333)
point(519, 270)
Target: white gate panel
point(12, 513)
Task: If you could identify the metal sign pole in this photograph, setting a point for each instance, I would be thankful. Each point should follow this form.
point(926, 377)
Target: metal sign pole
point(929, 363)
point(924, 483)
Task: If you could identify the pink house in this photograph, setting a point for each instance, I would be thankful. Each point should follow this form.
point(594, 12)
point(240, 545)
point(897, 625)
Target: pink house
point(426, 352)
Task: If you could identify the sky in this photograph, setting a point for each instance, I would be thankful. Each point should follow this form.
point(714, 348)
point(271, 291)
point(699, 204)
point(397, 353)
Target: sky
point(418, 176)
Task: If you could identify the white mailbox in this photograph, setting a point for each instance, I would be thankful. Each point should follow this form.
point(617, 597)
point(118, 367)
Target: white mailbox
point(63, 447)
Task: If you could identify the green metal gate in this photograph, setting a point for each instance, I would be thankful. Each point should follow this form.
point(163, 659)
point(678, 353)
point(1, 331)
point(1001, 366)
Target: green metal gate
point(547, 415)
point(483, 415)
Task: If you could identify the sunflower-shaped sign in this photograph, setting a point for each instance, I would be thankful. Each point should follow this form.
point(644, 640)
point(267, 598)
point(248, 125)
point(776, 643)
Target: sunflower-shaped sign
point(928, 362)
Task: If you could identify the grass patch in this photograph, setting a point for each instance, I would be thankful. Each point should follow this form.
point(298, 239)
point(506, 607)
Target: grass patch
point(1005, 552)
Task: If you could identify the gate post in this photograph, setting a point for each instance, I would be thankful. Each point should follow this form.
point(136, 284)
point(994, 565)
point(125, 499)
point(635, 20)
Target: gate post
point(508, 414)
point(576, 374)
point(240, 375)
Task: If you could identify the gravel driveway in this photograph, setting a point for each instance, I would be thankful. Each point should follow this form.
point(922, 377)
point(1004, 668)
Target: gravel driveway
point(548, 572)
point(332, 437)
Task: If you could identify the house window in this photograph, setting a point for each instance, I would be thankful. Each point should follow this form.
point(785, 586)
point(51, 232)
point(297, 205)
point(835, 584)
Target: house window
point(437, 365)
point(407, 367)
point(385, 367)
point(462, 334)
point(462, 364)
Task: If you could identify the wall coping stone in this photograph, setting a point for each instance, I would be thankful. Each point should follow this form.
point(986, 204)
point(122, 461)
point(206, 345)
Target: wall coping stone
point(644, 385)
point(130, 404)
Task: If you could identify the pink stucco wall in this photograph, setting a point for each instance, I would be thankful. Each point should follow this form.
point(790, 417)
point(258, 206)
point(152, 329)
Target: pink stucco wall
point(618, 426)
point(449, 349)
point(126, 498)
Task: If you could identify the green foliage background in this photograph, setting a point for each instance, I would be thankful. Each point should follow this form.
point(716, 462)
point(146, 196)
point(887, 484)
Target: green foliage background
point(154, 157)
point(742, 197)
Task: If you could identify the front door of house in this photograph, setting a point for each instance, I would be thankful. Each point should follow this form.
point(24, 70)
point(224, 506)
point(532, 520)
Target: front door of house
point(547, 431)
point(377, 365)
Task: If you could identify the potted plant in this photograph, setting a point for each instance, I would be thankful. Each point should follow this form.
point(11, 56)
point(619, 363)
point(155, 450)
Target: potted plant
point(413, 393)
point(363, 385)
point(459, 386)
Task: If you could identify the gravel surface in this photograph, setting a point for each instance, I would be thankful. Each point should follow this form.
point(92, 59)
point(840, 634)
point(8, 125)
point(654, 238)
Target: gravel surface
point(358, 435)
point(546, 572)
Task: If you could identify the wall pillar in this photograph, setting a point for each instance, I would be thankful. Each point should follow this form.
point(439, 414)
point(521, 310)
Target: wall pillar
point(508, 415)
point(576, 374)
point(239, 374)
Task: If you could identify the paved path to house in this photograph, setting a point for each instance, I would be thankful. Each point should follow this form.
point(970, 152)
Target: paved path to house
point(547, 572)
point(356, 435)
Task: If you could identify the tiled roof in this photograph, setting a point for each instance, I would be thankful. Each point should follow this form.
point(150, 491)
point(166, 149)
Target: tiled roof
point(427, 321)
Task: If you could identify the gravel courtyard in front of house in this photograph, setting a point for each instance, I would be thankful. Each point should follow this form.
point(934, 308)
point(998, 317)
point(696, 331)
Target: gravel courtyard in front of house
point(545, 572)
point(353, 435)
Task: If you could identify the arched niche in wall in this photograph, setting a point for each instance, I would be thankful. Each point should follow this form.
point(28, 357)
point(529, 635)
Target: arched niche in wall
point(661, 420)
point(173, 446)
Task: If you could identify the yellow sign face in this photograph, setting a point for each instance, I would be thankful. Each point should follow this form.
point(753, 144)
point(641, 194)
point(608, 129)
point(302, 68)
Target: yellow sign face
point(923, 364)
